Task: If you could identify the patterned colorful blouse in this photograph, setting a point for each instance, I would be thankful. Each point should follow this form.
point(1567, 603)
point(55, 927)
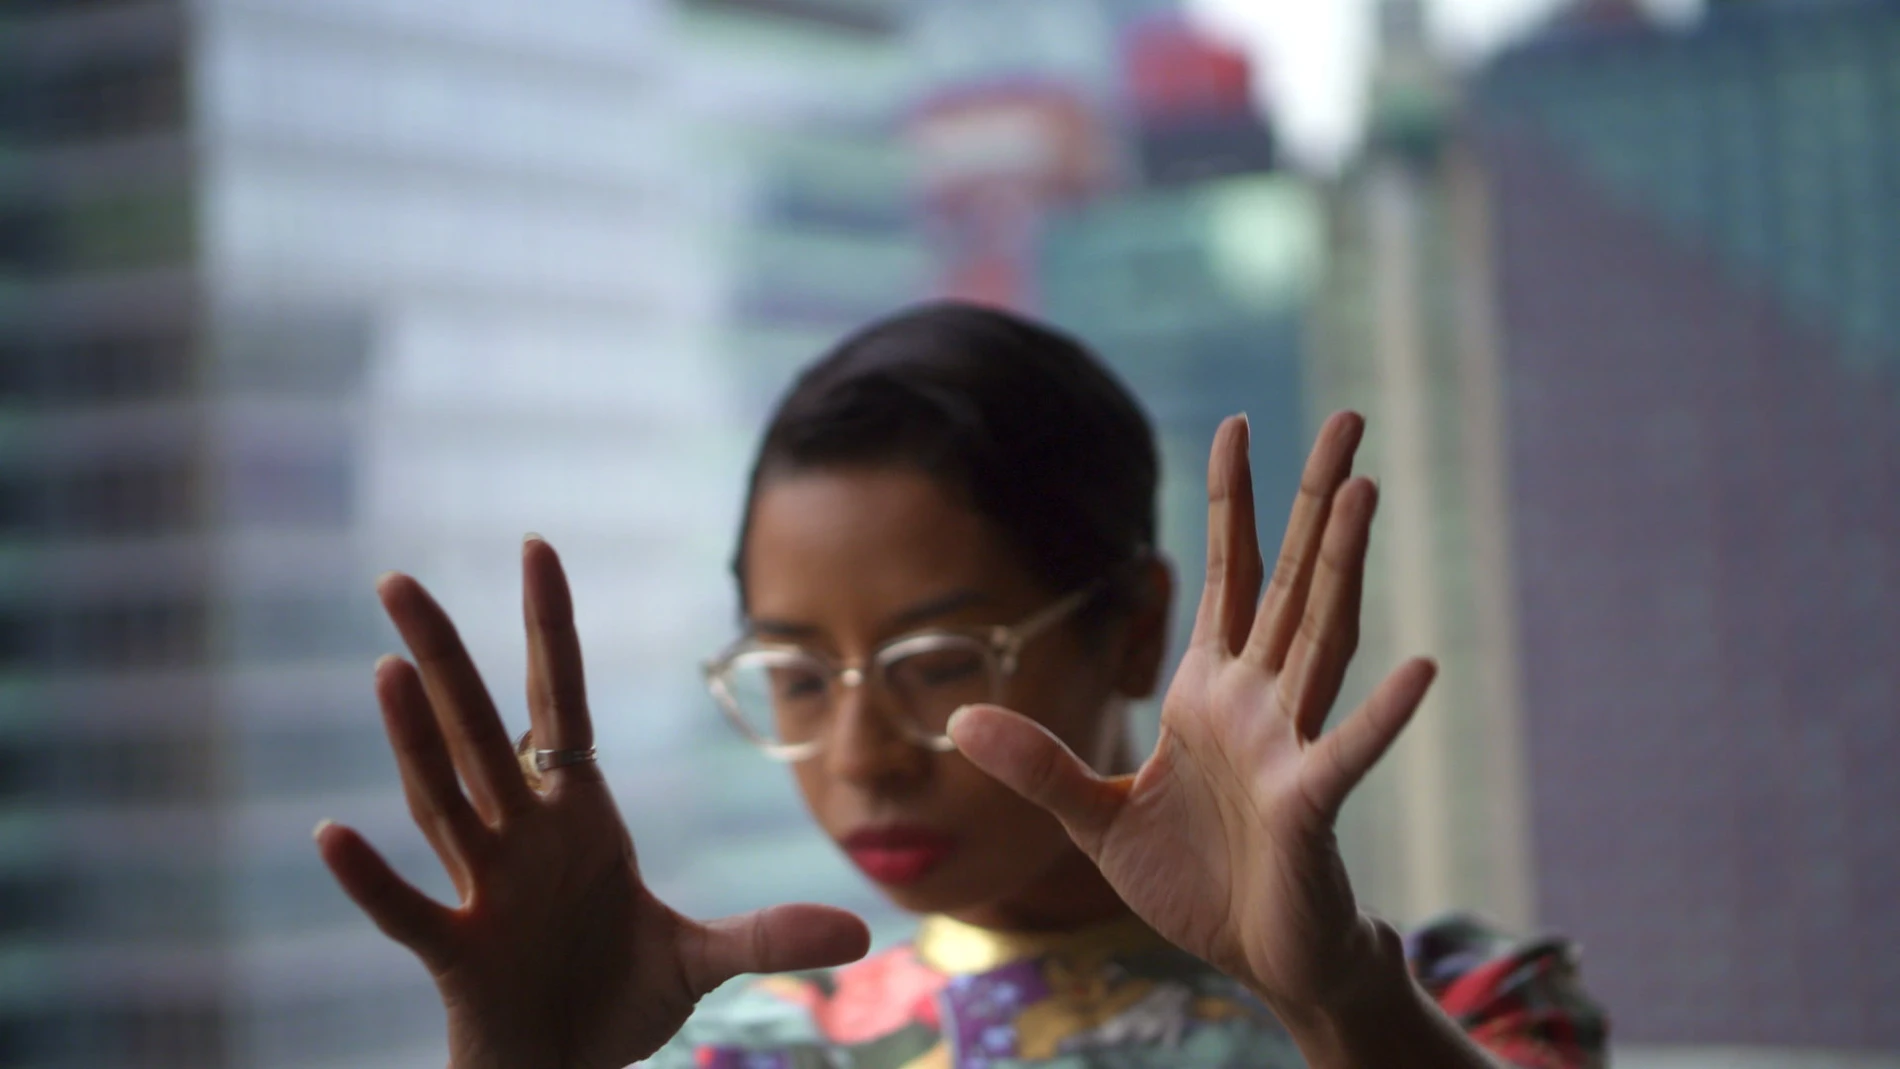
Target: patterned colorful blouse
point(1120, 996)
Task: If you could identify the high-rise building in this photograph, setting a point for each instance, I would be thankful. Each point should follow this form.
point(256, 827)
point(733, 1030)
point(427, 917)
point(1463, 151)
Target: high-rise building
point(1697, 240)
point(1191, 279)
point(1200, 326)
point(1102, 165)
point(1402, 331)
point(291, 293)
point(823, 242)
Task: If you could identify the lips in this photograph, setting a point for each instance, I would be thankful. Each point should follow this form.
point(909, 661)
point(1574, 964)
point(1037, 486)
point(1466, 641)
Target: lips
point(898, 854)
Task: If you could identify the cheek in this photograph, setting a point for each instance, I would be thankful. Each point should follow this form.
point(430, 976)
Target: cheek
point(1070, 703)
point(1007, 839)
point(1002, 831)
point(813, 787)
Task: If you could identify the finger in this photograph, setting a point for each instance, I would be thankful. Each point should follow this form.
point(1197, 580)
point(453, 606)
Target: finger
point(436, 802)
point(1329, 629)
point(1341, 758)
point(557, 685)
point(1031, 761)
point(1234, 568)
point(1327, 467)
point(776, 939)
point(483, 753)
point(403, 913)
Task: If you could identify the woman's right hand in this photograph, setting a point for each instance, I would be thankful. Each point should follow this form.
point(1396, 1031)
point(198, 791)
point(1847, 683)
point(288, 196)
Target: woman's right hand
point(557, 956)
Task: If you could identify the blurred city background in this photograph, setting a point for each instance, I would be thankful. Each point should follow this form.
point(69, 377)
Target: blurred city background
point(296, 291)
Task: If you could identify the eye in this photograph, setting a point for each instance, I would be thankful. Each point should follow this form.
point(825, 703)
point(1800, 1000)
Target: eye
point(792, 684)
point(943, 668)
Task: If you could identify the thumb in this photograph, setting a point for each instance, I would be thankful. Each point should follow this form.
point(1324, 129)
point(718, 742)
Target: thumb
point(1031, 761)
point(403, 913)
point(775, 939)
point(1343, 756)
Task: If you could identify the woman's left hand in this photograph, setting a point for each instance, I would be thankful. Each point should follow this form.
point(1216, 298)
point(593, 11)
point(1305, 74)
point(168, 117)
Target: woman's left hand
point(1223, 841)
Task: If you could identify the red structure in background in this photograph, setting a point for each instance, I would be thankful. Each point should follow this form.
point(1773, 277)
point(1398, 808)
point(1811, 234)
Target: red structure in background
point(995, 158)
point(1171, 71)
point(1191, 103)
point(991, 160)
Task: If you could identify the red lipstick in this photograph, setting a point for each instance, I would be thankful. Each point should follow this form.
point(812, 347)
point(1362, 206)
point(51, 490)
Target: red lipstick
point(898, 854)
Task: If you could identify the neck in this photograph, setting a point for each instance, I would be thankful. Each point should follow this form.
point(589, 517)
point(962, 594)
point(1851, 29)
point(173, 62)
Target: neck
point(1071, 895)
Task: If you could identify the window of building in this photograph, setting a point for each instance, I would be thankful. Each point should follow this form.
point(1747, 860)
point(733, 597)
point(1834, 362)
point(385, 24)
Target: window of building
point(179, 898)
point(120, 96)
point(26, 241)
point(130, 766)
point(128, 498)
point(128, 231)
point(136, 633)
point(139, 496)
point(123, 367)
point(121, 232)
point(62, 371)
point(154, 1035)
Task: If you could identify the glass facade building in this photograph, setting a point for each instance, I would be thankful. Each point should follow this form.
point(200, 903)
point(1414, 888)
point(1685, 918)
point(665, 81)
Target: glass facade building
point(1695, 241)
point(1404, 331)
point(293, 293)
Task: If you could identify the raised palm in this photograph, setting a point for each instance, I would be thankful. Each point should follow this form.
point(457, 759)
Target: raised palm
point(556, 954)
point(1223, 840)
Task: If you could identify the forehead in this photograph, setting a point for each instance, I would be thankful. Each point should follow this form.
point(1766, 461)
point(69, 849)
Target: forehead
point(866, 540)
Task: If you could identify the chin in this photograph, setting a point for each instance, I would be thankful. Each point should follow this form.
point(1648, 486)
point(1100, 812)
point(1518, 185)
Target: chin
point(945, 891)
point(927, 897)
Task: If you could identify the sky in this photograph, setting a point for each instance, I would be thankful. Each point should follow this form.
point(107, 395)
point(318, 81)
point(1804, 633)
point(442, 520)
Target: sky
point(1311, 56)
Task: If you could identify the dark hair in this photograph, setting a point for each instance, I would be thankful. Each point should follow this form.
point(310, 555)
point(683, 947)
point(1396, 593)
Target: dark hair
point(1019, 419)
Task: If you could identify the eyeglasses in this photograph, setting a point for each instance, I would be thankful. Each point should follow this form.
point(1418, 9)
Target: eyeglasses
point(781, 697)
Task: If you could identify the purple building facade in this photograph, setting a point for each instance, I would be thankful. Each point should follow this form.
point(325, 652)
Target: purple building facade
point(1698, 258)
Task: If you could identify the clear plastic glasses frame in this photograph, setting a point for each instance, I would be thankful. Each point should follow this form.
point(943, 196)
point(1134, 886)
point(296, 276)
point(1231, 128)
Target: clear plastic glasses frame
point(981, 663)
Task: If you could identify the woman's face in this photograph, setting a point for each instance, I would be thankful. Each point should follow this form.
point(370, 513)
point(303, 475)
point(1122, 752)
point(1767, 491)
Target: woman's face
point(840, 561)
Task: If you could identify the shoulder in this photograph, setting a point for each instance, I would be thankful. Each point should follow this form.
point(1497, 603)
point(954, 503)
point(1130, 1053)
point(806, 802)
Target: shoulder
point(1523, 999)
point(1151, 1006)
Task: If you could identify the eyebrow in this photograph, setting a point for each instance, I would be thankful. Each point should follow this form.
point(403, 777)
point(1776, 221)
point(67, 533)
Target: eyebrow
point(920, 613)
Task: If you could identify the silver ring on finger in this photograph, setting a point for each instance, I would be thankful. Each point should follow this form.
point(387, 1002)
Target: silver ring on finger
point(534, 762)
point(545, 760)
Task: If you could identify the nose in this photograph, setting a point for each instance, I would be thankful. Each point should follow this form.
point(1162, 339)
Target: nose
point(865, 746)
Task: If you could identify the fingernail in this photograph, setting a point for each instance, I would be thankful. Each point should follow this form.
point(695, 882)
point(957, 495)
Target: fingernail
point(531, 536)
point(317, 832)
point(385, 660)
point(384, 578)
point(950, 725)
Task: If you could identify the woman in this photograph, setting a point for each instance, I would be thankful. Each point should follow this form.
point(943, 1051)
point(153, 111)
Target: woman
point(953, 512)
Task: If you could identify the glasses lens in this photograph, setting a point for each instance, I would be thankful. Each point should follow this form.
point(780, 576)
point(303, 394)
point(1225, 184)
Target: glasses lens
point(778, 696)
point(933, 679)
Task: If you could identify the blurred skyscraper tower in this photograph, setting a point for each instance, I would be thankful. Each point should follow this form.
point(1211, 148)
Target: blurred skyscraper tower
point(1192, 280)
point(1103, 165)
point(1402, 331)
point(823, 242)
point(1698, 248)
point(291, 293)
